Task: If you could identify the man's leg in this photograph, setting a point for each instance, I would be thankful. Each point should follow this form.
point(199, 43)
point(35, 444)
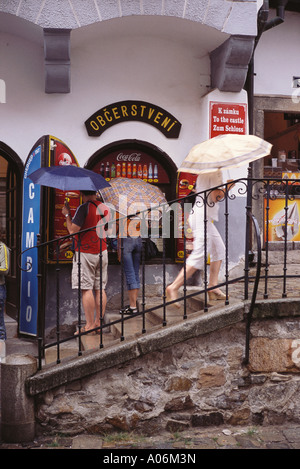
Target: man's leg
point(100, 289)
point(89, 306)
point(98, 309)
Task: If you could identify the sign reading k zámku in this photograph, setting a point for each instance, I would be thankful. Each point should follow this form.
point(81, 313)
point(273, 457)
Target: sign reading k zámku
point(125, 111)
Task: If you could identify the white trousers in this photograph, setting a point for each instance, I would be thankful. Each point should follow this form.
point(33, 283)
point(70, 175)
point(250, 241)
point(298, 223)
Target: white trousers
point(215, 247)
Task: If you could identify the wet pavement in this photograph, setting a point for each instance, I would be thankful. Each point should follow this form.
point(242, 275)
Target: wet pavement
point(193, 440)
point(188, 442)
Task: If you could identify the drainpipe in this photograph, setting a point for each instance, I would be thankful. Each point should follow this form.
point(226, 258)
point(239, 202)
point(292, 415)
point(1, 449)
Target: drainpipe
point(262, 25)
point(280, 11)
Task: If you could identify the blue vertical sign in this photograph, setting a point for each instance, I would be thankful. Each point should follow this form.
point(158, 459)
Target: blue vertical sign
point(29, 261)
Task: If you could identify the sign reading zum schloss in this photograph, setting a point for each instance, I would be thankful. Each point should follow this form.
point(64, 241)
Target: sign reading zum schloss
point(125, 111)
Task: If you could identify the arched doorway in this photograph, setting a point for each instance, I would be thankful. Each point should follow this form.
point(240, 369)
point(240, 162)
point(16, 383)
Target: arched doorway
point(128, 157)
point(11, 171)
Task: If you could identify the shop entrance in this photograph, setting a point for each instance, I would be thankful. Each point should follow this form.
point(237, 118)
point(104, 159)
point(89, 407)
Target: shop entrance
point(135, 158)
point(11, 170)
point(282, 129)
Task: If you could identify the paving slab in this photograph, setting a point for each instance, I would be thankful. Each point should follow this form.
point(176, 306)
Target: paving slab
point(247, 438)
point(87, 442)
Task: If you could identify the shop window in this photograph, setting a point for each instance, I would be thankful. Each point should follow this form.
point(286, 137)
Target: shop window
point(283, 131)
point(136, 159)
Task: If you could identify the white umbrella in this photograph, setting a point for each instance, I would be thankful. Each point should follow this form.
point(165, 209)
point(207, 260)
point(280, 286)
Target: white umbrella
point(225, 152)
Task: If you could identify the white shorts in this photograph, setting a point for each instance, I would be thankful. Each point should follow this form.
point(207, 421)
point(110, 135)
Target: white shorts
point(215, 247)
point(90, 271)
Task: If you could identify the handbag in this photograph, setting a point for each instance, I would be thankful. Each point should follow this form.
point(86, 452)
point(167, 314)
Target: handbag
point(150, 249)
point(4, 259)
point(112, 243)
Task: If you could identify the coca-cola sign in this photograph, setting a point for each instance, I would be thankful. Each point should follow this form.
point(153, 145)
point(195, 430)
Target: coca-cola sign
point(131, 157)
point(125, 111)
point(131, 163)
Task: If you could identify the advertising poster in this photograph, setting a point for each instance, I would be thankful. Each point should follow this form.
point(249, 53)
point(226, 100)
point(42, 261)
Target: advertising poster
point(291, 175)
point(47, 151)
point(61, 155)
point(135, 164)
point(279, 218)
point(29, 260)
point(132, 164)
point(185, 185)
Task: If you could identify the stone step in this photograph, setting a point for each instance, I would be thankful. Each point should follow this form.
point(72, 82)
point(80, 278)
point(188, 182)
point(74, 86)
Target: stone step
point(11, 327)
point(134, 326)
point(15, 344)
point(66, 350)
point(277, 257)
point(21, 345)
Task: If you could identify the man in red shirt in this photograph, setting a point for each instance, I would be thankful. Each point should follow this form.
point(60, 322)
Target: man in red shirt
point(90, 245)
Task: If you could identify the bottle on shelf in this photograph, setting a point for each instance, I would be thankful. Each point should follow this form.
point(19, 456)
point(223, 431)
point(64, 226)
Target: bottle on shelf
point(102, 169)
point(150, 172)
point(134, 171)
point(107, 170)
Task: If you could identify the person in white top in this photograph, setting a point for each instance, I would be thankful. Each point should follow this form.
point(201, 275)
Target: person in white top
point(215, 244)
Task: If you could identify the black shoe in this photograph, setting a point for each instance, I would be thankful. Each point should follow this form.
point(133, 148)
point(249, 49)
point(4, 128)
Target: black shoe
point(129, 310)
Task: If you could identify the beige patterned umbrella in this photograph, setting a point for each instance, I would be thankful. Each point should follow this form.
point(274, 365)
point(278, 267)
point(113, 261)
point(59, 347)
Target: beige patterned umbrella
point(128, 196)
point(225, 152)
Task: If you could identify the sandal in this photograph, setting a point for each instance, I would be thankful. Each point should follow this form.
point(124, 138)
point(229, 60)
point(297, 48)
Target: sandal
point(83, 329)
point(129, 310)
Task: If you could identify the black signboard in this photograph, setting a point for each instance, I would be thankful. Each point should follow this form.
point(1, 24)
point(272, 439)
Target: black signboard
point(125, 111)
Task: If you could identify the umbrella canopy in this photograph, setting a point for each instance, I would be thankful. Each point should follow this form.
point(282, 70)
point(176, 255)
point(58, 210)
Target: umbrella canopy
point(225, 151)
point(68, 178)
point(131, 195)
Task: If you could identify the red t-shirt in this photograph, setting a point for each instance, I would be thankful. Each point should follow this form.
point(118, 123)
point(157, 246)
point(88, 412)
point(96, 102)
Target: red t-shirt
point(91, 214)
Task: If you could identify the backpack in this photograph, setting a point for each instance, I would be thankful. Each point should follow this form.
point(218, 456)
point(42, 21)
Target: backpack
point(4, 259)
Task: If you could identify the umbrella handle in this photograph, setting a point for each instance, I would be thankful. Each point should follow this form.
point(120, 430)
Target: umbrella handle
point(67, 200)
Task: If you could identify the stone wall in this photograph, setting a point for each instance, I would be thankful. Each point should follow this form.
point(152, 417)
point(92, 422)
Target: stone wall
point(197, 382)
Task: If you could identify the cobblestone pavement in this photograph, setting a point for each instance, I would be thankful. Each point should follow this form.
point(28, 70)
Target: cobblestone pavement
point(286, 436)
point(213, 438)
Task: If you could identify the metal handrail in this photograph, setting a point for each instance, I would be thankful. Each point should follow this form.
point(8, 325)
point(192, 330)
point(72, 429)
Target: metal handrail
point(255, 288)
point(247, 185)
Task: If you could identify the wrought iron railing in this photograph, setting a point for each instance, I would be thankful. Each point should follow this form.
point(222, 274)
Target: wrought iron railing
point(257, 237)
